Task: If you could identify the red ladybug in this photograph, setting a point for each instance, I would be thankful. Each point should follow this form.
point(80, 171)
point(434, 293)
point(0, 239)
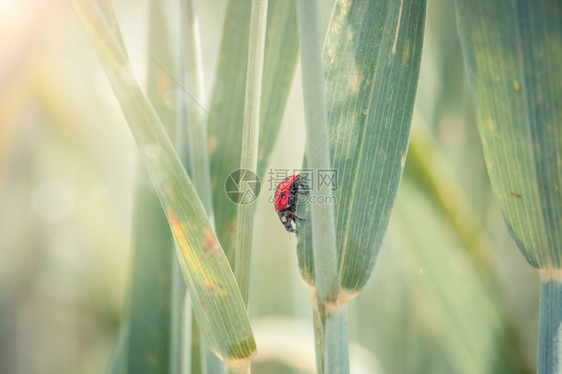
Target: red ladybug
point(286, 198)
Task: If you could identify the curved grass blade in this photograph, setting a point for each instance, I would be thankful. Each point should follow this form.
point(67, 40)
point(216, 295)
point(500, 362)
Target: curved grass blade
point(227, 104)
point(372, 55)
point(217, 303)
point(513, 51)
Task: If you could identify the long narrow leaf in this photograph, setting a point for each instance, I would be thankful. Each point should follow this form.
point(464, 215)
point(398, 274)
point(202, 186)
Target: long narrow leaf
point(372, 56)
point(217, 303)
point(227, 104)
point(250, 137)
point(330, 327)
point(513, 52)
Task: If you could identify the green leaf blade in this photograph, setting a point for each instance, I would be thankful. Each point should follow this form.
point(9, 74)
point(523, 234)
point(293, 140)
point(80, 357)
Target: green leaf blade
point(217, 303)
point(379, 132)
point(372, 55)
point(227, 103)
point(512, 52)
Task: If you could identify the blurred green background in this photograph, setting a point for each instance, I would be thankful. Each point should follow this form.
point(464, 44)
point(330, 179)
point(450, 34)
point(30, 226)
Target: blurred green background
point(450, 292)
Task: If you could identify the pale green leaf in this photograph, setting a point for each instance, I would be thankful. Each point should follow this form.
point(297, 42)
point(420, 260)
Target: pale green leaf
point(250, 136)
point(330, 325)
point(227, 104)
point(217, 303)
point(513, 51)
point(371, 56)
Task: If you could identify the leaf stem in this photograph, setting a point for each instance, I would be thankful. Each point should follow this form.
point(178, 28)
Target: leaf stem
point(196, 117)
point(330, 332)
point(549, 356)
point(250, 134)
point(323, 223)
point(330, 325)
